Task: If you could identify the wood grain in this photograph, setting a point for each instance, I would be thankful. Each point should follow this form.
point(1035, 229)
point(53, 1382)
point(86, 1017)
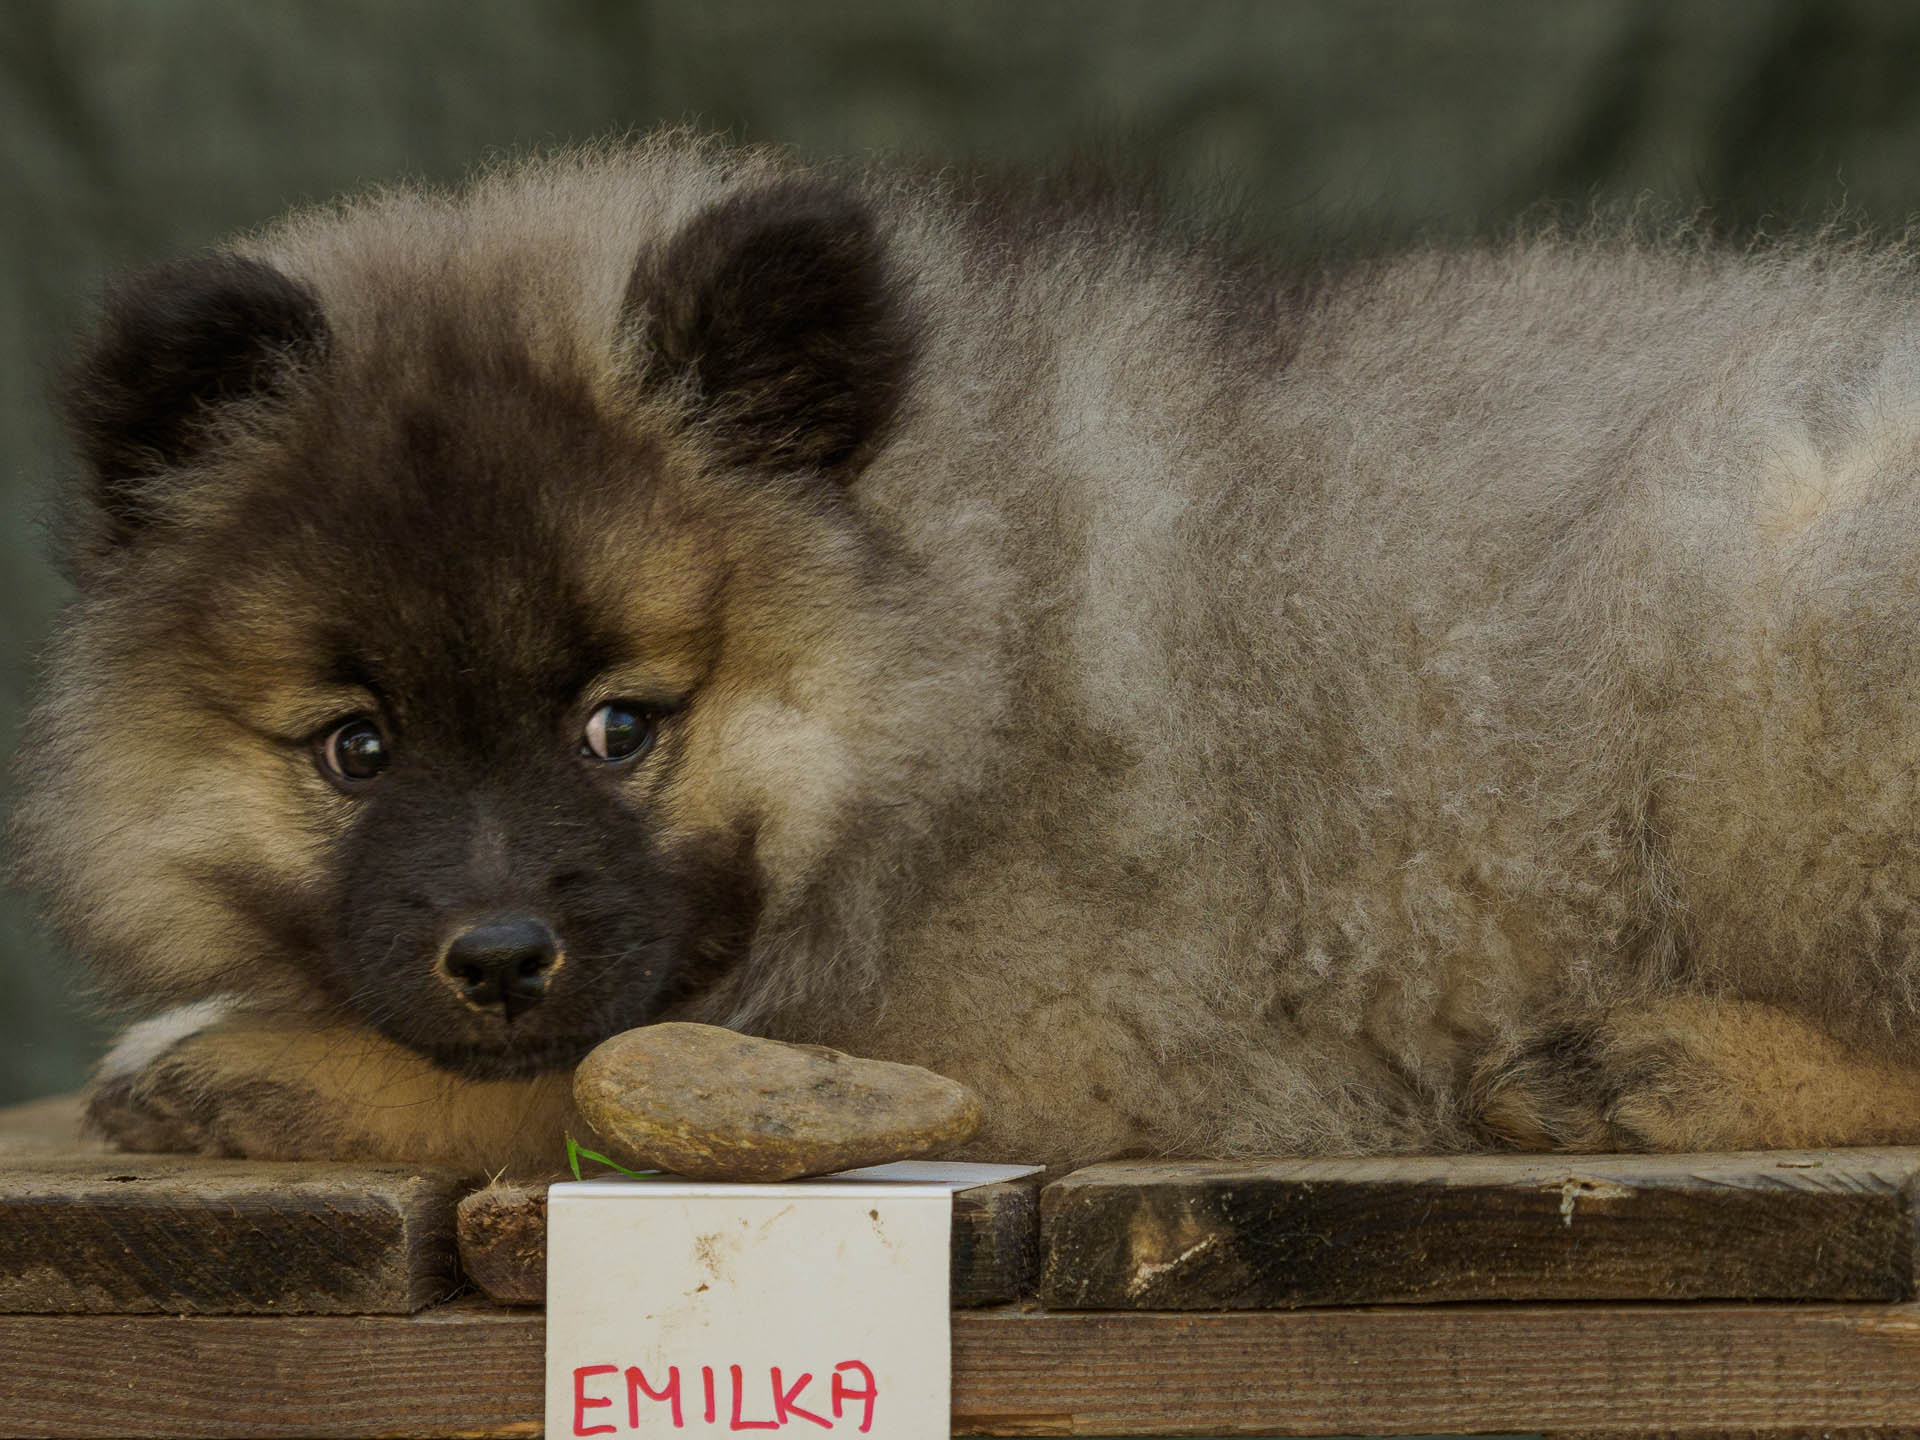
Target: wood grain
point(996, 1243)
point(83, 1231)
point(502, 1232)
point(476, 1370)
point(1823, 1225)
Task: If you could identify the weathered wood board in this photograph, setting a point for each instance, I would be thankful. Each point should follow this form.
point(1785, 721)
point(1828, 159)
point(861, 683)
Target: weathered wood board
point(83, 1230)
point(475, 1370)
point(502, 1232)
point(996, 1243)
point(1817, 1225)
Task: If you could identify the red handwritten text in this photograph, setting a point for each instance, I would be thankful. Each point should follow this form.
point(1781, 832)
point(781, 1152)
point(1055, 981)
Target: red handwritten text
point(851, 1395)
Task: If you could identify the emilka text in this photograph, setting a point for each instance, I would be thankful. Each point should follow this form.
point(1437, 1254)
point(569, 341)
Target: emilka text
point(850, 1392)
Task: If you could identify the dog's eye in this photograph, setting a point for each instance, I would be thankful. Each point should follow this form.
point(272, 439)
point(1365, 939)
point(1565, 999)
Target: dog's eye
point(618, 730)
point(354, 752)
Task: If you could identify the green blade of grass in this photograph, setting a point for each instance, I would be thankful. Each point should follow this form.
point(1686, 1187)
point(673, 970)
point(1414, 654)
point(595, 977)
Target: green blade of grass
point(576, 1152)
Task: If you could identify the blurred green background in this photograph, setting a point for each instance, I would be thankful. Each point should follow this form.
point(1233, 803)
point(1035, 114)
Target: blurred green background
point(136, 129)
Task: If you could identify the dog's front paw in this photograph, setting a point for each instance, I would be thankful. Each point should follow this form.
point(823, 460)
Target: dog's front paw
point(152, 1110)
point(213, 1079)
point(169, 1085)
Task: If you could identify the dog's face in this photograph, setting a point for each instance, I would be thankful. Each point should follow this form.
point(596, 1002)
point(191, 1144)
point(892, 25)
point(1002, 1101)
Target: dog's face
point(491, 689)
point(477, 647)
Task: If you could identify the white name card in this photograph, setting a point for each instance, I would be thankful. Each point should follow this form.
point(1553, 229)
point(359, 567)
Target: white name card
point(677, 1307)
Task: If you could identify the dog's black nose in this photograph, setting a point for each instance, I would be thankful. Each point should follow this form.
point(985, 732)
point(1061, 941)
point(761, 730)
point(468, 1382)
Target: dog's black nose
point(502, 963)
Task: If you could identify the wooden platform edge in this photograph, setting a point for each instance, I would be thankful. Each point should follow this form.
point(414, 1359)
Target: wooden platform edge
point(473, 1370)
point(1827, 1225)
point(83, 1232)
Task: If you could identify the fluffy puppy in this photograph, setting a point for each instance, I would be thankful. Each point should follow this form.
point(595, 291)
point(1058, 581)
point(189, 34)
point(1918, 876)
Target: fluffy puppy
point(1462, 700)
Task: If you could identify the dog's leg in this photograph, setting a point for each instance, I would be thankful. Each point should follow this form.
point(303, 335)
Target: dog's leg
point(1690, 1073)
point(215, 1080)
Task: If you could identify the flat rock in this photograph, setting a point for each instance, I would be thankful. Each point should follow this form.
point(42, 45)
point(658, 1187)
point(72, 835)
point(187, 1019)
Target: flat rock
point(712, 1104)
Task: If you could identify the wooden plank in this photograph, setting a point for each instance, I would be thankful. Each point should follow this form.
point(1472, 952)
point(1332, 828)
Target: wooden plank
point(996, 1243)
point(502, 1232)
point(1817, 1225)
point(476, 1370)
point(451, 1370)
point(83, 1231)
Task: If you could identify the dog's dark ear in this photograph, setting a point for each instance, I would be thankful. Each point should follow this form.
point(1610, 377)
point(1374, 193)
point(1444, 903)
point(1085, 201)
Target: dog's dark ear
point(175, 343)
point(777, 310)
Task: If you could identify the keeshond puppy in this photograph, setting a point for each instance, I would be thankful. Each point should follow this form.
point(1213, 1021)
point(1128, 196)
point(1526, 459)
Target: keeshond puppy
point(1461, 700)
